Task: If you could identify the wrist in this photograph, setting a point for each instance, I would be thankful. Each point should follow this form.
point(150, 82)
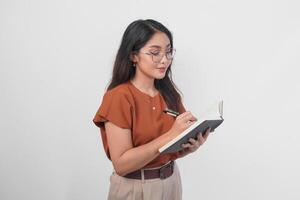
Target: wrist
point(183, 153)
point(173, 133)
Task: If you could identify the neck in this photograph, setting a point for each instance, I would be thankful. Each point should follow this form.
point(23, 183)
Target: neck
point(145, 85)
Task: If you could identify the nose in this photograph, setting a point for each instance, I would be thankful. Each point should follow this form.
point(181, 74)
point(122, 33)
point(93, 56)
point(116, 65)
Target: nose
point(164, 59)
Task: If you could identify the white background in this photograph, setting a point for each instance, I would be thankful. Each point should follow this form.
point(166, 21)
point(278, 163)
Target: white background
point(56, 60)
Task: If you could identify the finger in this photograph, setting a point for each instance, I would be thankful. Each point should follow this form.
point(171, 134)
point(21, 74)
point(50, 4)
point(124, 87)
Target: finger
point(190, 117)
point(201, 139)
point(199, 136)
point(208, 130)
point(186, 145)
point(187, 116)
point(193, 141)
point(182, 115)
point(190, 123)
point(207, 133)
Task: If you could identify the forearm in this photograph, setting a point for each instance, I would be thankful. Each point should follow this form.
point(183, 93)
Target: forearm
point(137, 157)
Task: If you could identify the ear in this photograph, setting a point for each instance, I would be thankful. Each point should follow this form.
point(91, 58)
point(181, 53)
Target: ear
point(134, 57)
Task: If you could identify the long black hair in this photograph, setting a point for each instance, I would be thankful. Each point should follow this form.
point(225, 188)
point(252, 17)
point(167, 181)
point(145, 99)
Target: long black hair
point(136, 35)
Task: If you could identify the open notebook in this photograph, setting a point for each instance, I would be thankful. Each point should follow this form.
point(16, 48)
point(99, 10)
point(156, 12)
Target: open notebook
point(212, 119)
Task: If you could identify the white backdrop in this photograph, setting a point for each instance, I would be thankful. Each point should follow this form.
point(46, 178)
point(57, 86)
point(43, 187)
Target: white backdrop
point(56, 59)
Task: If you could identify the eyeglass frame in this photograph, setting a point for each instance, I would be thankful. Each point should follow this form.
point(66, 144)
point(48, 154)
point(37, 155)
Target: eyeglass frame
point(164, 54)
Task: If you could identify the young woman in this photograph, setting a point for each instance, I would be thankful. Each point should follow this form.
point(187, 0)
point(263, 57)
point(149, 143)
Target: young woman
point(131, 119)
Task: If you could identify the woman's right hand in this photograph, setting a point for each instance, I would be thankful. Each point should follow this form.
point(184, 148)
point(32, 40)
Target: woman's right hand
point(182, 122)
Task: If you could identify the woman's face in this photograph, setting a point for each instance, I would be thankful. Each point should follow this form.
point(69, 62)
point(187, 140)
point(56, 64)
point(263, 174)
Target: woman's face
point(151, 61)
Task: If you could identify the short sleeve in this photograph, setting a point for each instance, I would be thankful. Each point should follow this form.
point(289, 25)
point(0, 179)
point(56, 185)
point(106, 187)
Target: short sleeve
point(116, 108)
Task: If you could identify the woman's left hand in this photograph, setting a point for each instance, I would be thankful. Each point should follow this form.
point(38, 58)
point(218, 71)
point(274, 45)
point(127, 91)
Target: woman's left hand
point(193, 144)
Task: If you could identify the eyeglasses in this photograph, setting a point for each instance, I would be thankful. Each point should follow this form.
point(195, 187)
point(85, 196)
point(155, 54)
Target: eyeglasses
point(158, 56)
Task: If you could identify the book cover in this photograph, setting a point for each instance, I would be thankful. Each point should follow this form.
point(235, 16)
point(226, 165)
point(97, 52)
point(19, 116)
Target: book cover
point(212, 119)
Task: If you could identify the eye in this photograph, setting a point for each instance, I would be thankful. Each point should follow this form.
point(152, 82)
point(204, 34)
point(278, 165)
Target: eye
point(170, 52)
point(155, 53)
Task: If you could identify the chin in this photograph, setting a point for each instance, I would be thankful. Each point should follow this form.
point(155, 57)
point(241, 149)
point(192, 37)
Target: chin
point(160, 76)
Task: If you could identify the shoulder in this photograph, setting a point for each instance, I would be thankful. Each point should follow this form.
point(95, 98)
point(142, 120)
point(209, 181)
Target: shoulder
point(120, 92)
point(122, 88)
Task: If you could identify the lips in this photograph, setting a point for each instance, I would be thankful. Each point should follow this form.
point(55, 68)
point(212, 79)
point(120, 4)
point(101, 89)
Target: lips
point(162, 69)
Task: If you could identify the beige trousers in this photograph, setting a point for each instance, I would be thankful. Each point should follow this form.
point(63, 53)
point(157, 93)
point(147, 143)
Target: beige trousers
point(122, 188)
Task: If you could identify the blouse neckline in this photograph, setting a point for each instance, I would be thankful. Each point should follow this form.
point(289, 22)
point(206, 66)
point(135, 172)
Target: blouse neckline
point(143, 93)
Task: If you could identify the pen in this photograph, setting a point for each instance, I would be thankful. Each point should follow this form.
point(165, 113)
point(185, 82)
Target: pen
point(171, 112)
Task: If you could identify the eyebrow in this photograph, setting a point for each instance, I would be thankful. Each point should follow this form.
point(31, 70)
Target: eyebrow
point(157, 46)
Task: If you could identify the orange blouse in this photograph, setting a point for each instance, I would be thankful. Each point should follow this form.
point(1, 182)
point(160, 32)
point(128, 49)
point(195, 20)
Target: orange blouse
point(129, 108)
